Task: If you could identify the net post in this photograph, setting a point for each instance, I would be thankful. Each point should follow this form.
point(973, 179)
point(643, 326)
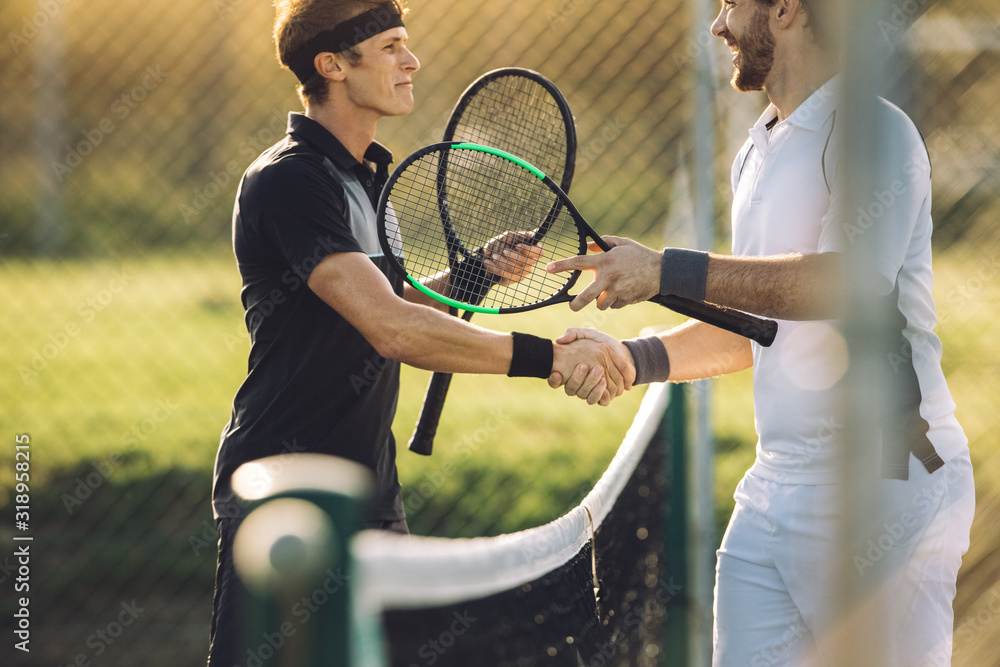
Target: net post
point(700, 515)
point(861, 631)
point(675, 651)
point(700, 512)
point(50, 134)
point(293, 552)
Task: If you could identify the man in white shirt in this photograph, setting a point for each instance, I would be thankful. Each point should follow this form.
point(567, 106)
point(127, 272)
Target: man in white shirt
point(773, 600)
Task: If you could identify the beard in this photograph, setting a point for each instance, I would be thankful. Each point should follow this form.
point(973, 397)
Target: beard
point(756, 54)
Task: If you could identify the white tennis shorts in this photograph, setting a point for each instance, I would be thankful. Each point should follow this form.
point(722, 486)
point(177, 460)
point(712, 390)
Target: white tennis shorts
point(772, 596)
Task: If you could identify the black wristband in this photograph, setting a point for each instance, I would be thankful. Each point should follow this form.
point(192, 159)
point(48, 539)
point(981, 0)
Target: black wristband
point(684, 273)
point(532, 357)
point(650, 358)
point(470, 281)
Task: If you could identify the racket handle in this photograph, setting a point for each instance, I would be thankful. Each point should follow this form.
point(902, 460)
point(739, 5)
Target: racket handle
point(422, 440)
point(755, 328)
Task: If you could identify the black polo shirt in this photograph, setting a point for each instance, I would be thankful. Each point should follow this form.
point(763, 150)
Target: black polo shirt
point(314, 384)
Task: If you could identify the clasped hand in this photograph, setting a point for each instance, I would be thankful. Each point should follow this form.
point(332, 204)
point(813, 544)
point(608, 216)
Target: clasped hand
point(592, 365)
point(589, 364)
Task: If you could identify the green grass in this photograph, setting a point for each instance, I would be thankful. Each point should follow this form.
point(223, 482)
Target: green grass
point(131, 358)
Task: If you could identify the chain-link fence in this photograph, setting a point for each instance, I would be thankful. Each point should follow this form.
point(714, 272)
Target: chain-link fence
point(124, 130)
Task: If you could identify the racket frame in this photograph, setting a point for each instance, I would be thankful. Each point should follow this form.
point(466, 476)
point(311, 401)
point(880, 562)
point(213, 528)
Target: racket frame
point(422, 439)
point(757, 329)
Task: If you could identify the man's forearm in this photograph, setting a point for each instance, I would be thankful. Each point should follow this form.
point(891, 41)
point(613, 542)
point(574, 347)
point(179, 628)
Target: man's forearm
point(698, 350)
point(788, 287)
point(429, 339)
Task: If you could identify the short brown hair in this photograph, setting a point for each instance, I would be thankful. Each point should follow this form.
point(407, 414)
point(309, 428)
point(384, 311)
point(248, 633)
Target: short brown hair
point(298, 21)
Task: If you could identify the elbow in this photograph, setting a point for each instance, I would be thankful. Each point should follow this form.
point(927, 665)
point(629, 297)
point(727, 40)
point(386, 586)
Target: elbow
point(390, 344)
point(396, 338)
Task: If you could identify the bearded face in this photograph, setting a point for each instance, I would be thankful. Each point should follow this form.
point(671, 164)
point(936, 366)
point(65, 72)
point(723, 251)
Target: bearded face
point(755, 55)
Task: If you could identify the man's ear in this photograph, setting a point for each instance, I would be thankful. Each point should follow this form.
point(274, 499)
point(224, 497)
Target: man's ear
point(784, 12)
point(329, 66)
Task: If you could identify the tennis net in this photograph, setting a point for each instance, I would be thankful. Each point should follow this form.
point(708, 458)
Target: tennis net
point(589, 588)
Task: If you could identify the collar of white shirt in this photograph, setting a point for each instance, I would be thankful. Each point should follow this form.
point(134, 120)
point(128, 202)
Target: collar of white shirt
point(811, 115)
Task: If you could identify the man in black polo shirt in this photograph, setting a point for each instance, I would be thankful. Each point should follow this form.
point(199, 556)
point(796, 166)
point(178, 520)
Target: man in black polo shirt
point(329, 321)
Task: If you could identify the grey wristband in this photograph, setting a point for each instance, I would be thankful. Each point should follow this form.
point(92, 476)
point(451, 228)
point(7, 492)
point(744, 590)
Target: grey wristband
point(684, 273)
point(651, 361)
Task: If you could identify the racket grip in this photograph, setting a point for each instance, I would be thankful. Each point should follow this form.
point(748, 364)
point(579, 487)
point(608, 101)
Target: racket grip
point(422, 440)
point(755, 328)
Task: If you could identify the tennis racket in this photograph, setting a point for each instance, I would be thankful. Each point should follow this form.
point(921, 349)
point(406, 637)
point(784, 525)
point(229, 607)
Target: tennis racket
point(490, 194)
point(521, 112)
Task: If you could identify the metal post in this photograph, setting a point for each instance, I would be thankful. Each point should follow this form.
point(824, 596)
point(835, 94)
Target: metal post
point(860, 632)
point(292, 552)
point(50, 122)
point(701, 509)
point(676, 553)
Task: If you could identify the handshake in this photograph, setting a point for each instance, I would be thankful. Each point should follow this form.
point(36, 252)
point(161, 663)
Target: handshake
point(592, 365)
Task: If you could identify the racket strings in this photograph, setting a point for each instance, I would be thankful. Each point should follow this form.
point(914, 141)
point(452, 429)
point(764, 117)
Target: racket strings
point(491, 204)
point(520, 116)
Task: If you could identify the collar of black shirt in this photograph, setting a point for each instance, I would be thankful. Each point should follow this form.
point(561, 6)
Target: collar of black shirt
point(311, 131)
